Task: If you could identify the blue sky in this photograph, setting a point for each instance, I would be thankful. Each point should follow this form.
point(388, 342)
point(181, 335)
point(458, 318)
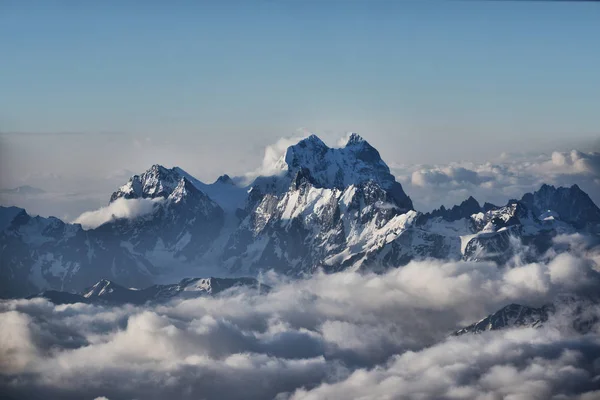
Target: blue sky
point(424, 81)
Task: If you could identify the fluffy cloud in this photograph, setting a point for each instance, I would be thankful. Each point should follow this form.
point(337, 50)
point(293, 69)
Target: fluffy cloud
point(272, 159)
point(425, 177)
point(525, 364)
point(343, 335)
point(508, 177)
point(120, 208)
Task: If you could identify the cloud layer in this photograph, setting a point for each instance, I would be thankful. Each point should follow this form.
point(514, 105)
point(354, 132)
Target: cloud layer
point(508, 177)
point(345, 335)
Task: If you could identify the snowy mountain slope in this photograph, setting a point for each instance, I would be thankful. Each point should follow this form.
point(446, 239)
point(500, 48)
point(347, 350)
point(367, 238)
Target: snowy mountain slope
point(498, 228)
point(569, 311)
point(159, 181)
point(496, 233)
point(184, 225)
point(109, 292)
point(336, 168)
point(513, 315)
point(326, 207)
point(309, 227)
point(45, 253)
point(329, 208)
point(223, 191)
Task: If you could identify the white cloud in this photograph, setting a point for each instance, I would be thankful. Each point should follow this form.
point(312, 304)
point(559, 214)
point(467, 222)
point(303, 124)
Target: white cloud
point(455, 175)
point(273, 163)
point(344, 335)
point(525, 364)
point(510, 176)
point(120, 208)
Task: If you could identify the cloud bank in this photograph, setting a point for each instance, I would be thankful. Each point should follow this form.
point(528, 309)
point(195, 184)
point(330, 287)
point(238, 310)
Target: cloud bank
point(345, 335)
point(508, 177)
point(120, 208)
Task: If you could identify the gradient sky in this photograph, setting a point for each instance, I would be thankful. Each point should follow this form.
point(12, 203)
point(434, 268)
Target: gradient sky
point(206, 85)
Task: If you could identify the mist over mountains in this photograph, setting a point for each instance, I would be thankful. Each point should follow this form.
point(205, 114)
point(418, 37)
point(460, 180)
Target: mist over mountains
point(318, 279)
point(322, 208)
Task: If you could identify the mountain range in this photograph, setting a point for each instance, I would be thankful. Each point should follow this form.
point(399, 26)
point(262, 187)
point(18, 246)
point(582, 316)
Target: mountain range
point(324, 208)
point(111, 293)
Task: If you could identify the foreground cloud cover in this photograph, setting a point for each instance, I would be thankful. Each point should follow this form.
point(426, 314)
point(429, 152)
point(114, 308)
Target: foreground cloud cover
point(344, 335)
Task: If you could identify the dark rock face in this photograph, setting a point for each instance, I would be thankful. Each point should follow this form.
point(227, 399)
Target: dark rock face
point(225, 179)
point(572, 204)
point(467, 208)
point(489, 207)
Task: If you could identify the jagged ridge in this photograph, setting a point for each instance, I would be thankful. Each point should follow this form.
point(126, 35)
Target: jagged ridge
point(109, 292)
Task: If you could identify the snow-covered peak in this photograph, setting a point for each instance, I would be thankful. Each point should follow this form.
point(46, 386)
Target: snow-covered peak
point(338, 168)
point(354, 139)
point(181, 191)
point(157, 181)
point(333, 168)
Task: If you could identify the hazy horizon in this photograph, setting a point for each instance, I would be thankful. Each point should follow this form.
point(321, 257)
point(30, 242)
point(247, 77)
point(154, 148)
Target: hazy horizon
point(69, 193)
point(92, 90)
